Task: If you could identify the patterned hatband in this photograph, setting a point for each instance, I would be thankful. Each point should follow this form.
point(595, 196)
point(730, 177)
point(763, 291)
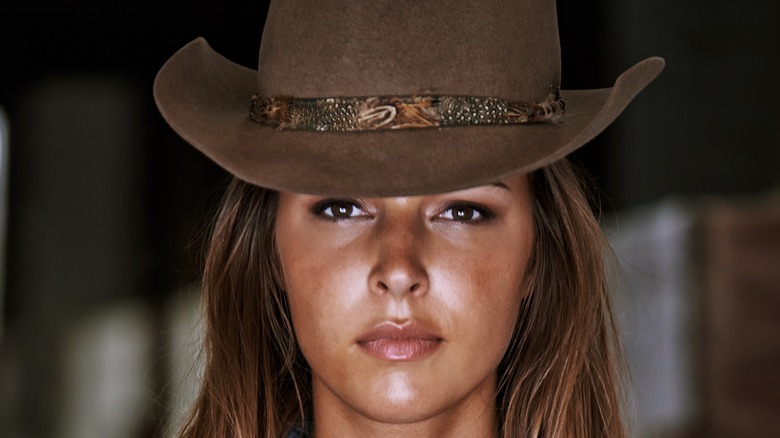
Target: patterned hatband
point(400, 112)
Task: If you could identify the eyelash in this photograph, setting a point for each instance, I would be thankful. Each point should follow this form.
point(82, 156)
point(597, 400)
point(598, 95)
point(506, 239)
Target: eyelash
point(321, 208)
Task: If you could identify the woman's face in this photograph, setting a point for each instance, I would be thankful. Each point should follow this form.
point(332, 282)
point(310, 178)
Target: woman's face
point(403, 307)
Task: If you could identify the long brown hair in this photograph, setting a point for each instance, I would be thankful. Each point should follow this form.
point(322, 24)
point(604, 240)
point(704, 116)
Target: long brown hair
point(558, 378)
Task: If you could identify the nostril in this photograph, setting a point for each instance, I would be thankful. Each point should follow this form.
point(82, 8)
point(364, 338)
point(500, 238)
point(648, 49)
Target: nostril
point(381, 285)
point(398, 280)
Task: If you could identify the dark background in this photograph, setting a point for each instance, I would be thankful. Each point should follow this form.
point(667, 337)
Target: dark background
point(707, 127)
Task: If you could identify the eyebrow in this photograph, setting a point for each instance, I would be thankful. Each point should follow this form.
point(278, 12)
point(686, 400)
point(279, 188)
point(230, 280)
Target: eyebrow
point(500, 184)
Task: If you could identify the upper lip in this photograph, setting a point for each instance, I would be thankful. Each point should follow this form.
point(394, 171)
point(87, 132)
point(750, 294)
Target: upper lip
point(398, 331)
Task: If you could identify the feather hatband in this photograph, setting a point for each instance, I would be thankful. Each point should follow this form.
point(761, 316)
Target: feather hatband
point(400, 112)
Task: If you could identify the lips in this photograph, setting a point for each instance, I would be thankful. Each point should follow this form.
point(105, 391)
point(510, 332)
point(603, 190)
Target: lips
point(399, 342)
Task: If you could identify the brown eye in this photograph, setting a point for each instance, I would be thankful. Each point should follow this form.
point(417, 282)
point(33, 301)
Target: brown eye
point(337, 209)
point(465, 213)
point(342, 210)
point(462, 213)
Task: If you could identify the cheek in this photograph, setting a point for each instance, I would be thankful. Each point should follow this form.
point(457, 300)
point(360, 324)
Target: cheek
point(492, 304)
point(481, 289)
point(321, 295)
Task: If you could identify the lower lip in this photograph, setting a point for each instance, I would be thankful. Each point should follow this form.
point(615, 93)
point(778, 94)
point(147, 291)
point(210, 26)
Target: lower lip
point(400, 350)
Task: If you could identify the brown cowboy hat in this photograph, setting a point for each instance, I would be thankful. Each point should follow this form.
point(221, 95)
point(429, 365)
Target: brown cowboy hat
point(390, 97)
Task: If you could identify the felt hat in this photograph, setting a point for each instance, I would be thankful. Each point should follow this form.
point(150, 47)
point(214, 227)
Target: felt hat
point(390, 97)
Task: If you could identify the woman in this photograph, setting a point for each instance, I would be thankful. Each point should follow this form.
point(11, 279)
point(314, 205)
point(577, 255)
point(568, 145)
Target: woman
point(404, 249)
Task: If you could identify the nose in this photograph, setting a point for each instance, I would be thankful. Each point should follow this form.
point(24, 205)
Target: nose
point(398, 269)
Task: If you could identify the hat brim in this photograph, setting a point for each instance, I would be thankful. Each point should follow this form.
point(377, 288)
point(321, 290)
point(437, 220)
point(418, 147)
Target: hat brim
point(205, 98)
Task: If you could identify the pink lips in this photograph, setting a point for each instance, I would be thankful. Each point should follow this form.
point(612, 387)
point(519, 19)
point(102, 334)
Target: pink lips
point(399, 343)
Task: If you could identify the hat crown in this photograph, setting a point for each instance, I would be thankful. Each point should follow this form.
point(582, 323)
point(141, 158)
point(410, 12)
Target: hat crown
point(502, 48)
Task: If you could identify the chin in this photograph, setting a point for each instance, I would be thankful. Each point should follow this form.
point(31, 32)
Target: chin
point(398, 399)
point(392, 412)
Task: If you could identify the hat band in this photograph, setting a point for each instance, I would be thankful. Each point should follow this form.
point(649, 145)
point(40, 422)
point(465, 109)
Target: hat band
point(400, 112)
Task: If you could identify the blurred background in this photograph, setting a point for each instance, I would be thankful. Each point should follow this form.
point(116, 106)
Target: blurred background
point(103, 210)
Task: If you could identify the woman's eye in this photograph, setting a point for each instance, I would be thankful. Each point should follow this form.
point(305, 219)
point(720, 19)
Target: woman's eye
point(464, 213)
point(340, 210)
